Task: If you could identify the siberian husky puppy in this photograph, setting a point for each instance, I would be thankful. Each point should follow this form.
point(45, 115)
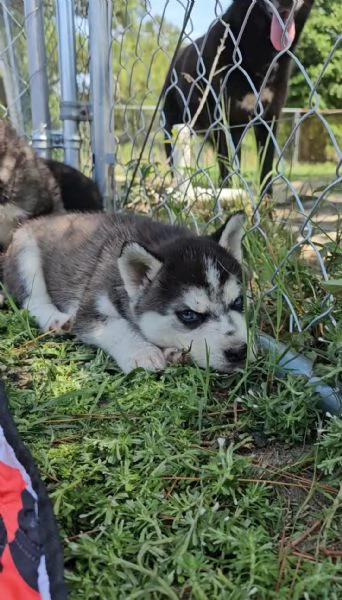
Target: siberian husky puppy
point(143, 291)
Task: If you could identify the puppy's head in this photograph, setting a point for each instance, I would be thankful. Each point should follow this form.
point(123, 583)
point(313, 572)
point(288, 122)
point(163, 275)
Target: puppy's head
point(191, 297)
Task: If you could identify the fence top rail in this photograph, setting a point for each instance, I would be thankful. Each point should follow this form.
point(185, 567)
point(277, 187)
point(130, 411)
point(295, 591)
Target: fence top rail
point(288, 110)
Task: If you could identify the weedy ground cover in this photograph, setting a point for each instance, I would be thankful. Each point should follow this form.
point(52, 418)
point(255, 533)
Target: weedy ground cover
point(189, 484)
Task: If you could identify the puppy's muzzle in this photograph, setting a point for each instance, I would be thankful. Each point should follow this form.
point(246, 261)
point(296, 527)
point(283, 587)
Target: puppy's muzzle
point(236, 355)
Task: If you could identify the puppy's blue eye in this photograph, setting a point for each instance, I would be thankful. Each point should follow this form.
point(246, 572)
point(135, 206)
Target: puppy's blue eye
point(237, 304)
point(190, 317)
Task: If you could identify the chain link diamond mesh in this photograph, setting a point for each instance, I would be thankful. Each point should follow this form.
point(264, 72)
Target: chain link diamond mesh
point(307, 198)
point(14, 89)
point(307, 208)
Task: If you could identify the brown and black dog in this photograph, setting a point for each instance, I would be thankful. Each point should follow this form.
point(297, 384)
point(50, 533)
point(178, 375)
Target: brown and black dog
point(254, 60)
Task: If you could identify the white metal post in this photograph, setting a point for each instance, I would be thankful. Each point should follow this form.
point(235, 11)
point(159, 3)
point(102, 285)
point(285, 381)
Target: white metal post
point(99, 16)
point(67, 67)
point(296, 145)
point(11, 73)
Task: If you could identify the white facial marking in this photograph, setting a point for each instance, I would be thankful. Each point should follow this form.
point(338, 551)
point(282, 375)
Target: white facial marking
point(10, 216)
point(196, 299)
point(212, 275)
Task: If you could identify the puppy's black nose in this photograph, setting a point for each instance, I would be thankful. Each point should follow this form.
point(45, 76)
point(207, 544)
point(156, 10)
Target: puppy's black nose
point(236, 355)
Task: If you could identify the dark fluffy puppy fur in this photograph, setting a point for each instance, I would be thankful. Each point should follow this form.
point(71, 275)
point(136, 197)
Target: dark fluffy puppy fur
point(261, 39)
point(27, 186)
point(31, 186)
point(78, 191)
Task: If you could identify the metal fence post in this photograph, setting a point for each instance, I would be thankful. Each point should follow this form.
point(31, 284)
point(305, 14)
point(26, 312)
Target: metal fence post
point(296, 145)
point(67, 66)
point(99, 17)
point(11, 75)
point(34, 21)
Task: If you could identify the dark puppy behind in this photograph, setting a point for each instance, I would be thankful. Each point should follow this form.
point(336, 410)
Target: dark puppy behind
point(262, 37)
point(78, 191)
point(31, 186)
point(27, 186)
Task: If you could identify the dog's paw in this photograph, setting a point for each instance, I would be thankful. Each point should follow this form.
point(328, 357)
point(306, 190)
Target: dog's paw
point(150, 358)
point(60, 323)
point(173, 355)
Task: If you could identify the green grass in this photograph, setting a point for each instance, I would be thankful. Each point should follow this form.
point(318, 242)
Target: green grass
point(189, 484)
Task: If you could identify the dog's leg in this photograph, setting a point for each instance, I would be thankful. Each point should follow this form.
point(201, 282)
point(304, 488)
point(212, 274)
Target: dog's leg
point(265, 149)
point(225, 157)
point(117, 337)
point(236, 135)
point(222, 150)
point(168, 146)
point(172, 114)
point(31, 275)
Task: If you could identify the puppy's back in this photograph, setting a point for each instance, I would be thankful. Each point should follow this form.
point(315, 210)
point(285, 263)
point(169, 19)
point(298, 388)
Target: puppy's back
point(74, 249)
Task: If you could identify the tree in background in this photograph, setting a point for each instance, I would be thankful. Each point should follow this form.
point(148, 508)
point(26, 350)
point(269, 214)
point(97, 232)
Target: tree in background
point(318, 37)
point(142, 49)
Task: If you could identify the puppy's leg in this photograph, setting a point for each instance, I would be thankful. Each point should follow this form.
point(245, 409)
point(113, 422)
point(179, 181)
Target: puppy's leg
point(117, 337)
point(25, 258)
point(222, 149)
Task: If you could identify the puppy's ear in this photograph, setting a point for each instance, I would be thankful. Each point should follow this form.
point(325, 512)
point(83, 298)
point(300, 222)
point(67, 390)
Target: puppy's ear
point(137, 266)
point(229, 235)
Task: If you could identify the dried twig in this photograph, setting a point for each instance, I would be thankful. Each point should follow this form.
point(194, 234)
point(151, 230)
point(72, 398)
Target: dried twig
point(212, 74)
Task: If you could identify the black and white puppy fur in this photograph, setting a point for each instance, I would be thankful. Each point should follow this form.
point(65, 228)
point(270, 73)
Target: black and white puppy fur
point(261, 29)
point(141, 290)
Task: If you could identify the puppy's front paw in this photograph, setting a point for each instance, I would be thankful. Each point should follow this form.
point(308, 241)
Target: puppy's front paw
point(173, 355)
point(60, 324)
point(150, 358)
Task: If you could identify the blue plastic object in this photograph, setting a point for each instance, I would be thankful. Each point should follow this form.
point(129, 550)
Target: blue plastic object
point(288, 361)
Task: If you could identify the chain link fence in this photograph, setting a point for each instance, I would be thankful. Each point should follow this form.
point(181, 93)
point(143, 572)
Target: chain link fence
point(14, 88)
point(104, 65)
point(307, 189)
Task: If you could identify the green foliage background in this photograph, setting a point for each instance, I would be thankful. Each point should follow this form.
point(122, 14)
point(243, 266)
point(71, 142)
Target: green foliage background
point(318, 38)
